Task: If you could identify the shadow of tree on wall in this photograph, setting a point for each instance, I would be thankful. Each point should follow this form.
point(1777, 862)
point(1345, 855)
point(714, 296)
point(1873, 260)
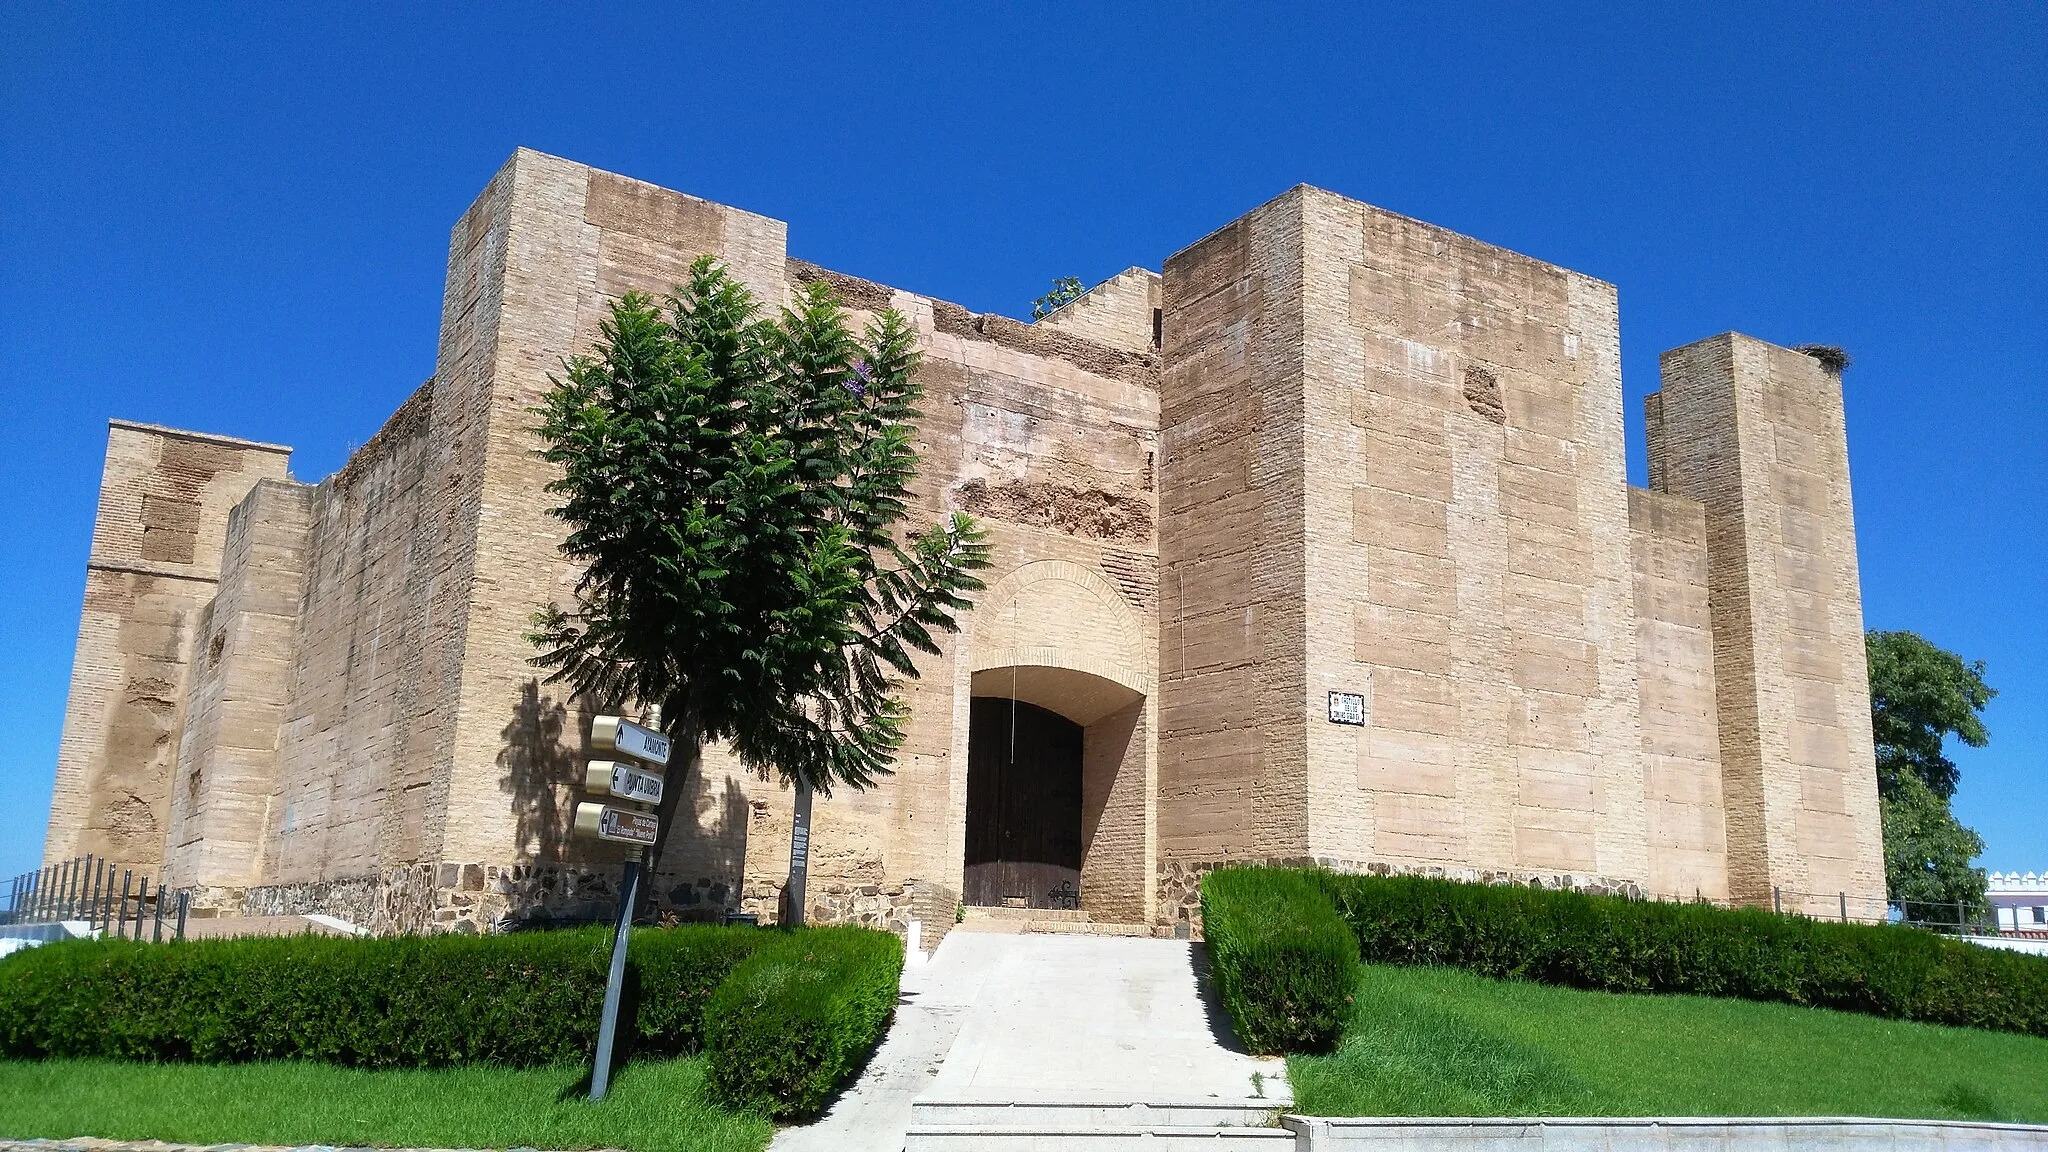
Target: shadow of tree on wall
point(538, 766)
point(703, 868)
point(543, 750)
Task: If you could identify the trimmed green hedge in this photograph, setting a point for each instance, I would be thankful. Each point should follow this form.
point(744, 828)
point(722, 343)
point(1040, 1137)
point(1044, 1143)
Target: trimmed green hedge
point(798, 1016)
point(1610, 943)
point(405, 1002)
point(1283, 960)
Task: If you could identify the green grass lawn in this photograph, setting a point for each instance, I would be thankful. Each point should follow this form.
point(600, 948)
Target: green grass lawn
point(653, 1107)
point(1444, 1042)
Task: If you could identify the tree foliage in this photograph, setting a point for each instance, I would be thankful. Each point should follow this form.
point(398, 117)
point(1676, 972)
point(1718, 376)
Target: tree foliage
point(1065, 290)
point(1927, 854)
point(1920, 695)
point(735, 486)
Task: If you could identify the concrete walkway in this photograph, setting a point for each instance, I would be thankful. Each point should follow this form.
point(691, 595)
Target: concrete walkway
point(874, 1113)
point(1095, 1017)
point(1044, 1018)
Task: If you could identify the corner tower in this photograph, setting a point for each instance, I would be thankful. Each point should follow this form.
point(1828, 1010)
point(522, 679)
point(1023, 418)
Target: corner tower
point(1393, 473)
point(1755, 433)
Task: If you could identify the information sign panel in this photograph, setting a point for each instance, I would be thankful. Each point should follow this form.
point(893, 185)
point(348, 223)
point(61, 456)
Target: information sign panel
point(1347, 708)
point(615, 734)
point(623, 825)
point(626, 781)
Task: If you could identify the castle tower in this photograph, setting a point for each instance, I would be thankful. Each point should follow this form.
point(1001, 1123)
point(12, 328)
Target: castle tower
point(1755, 433)
point(155, 561)
point(1393, 472)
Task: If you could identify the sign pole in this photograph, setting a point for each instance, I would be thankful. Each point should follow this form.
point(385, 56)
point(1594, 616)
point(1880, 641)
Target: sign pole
point(634, 826)
point(608, 1024)
point(799, 853)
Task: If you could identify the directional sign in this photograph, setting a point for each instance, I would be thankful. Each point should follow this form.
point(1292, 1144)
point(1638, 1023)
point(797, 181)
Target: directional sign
point(621, 824)
point(614, 734)
point(626, 781)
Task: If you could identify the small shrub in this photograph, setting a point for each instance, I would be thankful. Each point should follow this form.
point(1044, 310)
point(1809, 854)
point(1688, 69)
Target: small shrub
point(798, 1016)
point(1606, 942)
point(1284, 961)
point(404, 1002)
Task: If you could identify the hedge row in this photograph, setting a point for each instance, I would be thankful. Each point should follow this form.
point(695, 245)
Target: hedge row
point(404, 1002)
point(1606, 942)
point(1283, 960)
point(516, 1000)
point(794, 1020)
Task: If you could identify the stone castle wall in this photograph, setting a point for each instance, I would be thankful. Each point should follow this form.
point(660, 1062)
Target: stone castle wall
point(1468, 554)
point(164, 501)
point(1681, 742)
point(237, 696)
point(1231, 545)
point(1755, 433)
point(1328, 449)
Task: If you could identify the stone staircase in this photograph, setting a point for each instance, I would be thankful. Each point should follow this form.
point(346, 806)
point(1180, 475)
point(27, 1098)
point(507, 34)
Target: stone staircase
point(1067, 921)
point(1029, 1032)
point(941, 1125)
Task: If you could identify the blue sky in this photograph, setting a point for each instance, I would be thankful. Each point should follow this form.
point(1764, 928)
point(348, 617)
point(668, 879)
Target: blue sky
point(236, 220)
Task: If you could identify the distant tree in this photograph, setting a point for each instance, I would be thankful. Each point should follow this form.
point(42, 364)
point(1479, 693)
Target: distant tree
point(1927, 854)
point(734, 486)
point(1920, 695)
point(1065, 290)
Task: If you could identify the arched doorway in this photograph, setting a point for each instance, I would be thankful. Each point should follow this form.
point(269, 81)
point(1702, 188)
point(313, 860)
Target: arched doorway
point(1054, 651)
point(1023, 806)
point(1056, 792)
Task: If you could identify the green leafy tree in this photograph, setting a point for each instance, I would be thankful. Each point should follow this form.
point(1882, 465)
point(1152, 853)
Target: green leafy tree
point(1927, 854)
point(1065, 290)
point(1921, 695)
point(735, 487)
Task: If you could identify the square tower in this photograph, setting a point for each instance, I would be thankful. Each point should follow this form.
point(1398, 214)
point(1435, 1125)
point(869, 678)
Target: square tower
point(1393, 469)
point(1755, 433)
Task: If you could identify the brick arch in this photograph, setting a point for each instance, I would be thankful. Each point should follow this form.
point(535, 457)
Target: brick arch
point(1059, 614)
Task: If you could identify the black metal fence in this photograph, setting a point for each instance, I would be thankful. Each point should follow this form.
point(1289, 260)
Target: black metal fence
point(1953, 917)
point(106, 897)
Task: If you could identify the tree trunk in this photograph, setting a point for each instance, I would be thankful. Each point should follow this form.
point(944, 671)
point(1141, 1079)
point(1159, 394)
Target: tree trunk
point(686, 752)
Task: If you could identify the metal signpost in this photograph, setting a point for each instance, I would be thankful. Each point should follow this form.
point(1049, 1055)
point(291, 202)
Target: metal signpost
point(799, 855)
point(634, 785)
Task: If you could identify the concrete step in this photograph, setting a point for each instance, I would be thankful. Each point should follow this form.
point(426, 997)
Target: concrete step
point(1060, 927)
point(1149, 1138)
point(1065, 1115)
point(978, 912)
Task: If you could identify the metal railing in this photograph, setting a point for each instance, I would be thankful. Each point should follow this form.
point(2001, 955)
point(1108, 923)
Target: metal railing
point(1951, 917)
point(84, 889)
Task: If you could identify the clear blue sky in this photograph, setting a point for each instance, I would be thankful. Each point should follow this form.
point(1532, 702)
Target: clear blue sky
point(236, 220)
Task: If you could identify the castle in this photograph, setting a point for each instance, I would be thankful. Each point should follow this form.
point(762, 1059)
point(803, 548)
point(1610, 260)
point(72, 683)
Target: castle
point(1316, 545)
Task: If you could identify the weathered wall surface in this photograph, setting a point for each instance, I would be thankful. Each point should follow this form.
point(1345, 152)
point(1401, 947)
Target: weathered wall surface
point(1755, 433)
point(357, 729)
point(1231, 654)
point(1675, 674)
point(1047, 439)
point(238, 693)
point(164, 502)
point(1123, 311)
point(1467, 555)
